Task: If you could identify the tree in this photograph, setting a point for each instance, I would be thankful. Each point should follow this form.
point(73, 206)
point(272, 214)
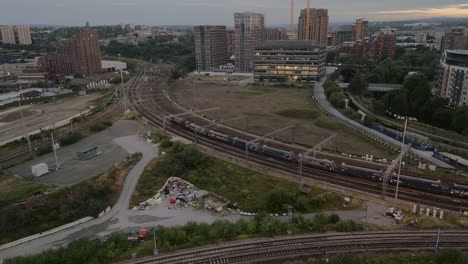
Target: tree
point(337, 100)
point(135, 35)
point(357, 85)
point(331, 55)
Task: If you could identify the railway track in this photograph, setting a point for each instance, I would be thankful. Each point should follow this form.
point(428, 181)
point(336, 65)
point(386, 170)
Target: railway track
point(268, 249)
point(150, 104)
point(24, 153)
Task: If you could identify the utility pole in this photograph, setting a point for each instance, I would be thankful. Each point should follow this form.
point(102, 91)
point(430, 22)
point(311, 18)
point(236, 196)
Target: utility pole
point(155, 249)
point(395, 202)
point(437, 242)
point(22, 119)
point(55, 152)
point(123, 92)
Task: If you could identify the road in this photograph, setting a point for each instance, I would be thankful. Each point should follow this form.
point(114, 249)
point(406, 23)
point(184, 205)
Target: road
point(319, 94)
point(120, 218)
point(117, 215)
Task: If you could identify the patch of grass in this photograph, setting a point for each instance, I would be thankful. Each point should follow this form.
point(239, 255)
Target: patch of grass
point(101, 126)
point(251, 191)
point(149, 183)
point(61, 206)
point(256, 91)
point(300, 114)
point(16, 190)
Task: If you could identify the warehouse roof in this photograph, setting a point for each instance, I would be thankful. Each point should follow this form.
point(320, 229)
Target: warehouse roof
point(288, 44)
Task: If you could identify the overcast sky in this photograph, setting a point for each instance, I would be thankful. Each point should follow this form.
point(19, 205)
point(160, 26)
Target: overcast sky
point(189, 12)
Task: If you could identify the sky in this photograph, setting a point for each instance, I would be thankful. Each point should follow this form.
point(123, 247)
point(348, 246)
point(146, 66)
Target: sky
point(190, 12)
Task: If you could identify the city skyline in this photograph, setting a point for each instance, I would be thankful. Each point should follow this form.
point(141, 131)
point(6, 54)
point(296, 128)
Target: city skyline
point(190, 12)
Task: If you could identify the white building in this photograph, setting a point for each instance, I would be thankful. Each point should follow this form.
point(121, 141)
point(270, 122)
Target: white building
point(452, 83)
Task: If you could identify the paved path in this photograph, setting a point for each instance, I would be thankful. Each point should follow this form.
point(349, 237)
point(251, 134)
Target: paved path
point(319, 94)
point(120, 218)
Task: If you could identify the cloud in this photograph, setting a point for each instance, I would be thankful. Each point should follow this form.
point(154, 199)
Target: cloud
point(460, 10)
point(124, 4)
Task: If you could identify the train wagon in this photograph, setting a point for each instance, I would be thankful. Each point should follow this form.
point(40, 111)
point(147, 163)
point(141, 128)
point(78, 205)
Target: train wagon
point(419, 183)
point(370, 174)
point(220, 137)
point(278, 153)
point(318, 163)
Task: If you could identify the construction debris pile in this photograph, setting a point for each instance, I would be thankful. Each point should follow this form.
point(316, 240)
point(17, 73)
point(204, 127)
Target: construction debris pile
point(180, 193)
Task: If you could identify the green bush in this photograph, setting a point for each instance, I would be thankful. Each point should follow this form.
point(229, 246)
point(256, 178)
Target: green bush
point(337, 100)
point(71, 139)
point(101, 126)
point(45, 150)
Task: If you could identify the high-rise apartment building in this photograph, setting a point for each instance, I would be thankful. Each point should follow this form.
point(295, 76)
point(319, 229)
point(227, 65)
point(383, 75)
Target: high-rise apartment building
point(8, 35)
point(318, 25)
point(373, 47)
point(457, 39)
point(24, 35)
point(420, 37)
point(275, 34)
point(344, 36)
point(361, 29)
point(79, 54)
point(210, 46)
point(229, 43)
point(452, 83)
point(386, 42)
point(248, 35)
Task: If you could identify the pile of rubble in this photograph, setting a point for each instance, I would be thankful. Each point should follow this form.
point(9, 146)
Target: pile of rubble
point(179, 192)
point(182, 194)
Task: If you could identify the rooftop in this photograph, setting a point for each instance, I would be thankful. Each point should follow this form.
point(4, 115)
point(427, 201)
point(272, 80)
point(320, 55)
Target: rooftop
point(288, 44)
point(461, 52)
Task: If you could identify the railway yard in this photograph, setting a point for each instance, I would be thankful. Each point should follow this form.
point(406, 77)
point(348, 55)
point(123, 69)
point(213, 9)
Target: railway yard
point(155, 105)
point(232, 128)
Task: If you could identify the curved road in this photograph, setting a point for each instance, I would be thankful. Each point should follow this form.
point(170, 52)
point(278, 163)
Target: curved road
point(321, 100)
point(116, 218)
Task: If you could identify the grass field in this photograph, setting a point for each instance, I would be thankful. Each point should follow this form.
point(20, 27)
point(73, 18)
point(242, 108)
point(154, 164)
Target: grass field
point(16, 190)
point(251, 191)
point(271, 108)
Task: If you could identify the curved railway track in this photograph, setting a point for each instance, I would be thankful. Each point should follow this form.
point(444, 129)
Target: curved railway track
point(268, 249)
point(150, 104)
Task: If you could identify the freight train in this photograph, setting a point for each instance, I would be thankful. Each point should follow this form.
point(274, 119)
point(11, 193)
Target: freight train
point(323, 164)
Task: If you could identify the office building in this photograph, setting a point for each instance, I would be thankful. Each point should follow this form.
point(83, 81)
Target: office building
point(248, 35)
point(456, 39)
point(452, 83)
point(24, 35)
point(210, 46)
point(8, 35)
point(361, 29)
point(317, 26)
point(79, 54)
point(275, 34)
point(289, 61)
point(10, 57)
